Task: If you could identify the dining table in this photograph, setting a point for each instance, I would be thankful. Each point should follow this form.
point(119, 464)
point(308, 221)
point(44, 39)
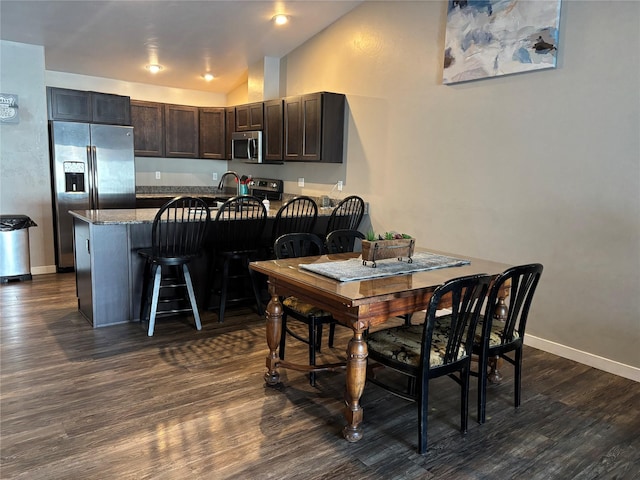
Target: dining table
point(358, 296)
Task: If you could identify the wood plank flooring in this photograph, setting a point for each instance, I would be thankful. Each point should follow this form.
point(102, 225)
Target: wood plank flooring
point(112, 403)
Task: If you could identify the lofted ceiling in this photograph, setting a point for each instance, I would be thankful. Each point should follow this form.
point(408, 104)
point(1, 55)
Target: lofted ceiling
point(117, 39)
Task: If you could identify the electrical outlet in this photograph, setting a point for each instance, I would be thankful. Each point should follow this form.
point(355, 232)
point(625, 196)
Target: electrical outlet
point(158, 175)
point(339, 185)
point(215, 176)
point(301, 182)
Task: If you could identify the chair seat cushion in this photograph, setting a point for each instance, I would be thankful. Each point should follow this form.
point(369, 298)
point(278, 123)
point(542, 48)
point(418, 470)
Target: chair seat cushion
point(305, 309)
point(495, 336)
point(403, 344)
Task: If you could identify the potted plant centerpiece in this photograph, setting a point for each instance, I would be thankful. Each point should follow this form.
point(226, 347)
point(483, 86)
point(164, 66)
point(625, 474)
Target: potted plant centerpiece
point(387, 245)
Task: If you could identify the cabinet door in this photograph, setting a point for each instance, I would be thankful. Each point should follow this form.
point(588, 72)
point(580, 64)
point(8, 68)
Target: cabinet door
point(230, 119)
point(181, 131)
point(147, 119)
point(110, 109)
point(69, 105)
point(249, 117)
point(302, 122)
point(212, 133)
point(273, 130)
point(314, 127)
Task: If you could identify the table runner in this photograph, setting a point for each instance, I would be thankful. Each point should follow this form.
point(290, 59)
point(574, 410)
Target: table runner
point(353, 269)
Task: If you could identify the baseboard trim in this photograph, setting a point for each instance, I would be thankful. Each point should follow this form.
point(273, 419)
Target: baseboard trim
point(43, 270)
point(586, 358)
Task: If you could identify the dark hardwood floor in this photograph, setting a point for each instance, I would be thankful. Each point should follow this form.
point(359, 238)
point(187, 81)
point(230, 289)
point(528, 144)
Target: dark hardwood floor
point(112, 403)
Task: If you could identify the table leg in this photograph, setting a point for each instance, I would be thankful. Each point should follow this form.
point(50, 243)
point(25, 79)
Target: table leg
point(274, 329)
point(356, 377)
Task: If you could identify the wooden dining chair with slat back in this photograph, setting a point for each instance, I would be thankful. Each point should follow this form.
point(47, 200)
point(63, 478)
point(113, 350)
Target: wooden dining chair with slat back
point(430, 350)
point(177, 237)
point(294, 245)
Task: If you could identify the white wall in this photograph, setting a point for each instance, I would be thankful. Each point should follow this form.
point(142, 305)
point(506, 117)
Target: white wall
point(24, 149)
point(542, 166)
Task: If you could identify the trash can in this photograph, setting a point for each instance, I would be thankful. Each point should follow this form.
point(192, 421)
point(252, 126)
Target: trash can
point(15, 263)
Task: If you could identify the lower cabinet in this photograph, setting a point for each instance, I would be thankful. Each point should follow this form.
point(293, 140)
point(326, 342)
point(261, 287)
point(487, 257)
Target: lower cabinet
point(102, 267)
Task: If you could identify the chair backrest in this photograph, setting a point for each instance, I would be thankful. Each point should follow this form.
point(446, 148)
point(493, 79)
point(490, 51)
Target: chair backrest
point(523, 281)
point(467, 295)
point(179, 228)
point(293, 245)
point(340, 241)
point(239, 224)
point(298, 215)
point(347, 215)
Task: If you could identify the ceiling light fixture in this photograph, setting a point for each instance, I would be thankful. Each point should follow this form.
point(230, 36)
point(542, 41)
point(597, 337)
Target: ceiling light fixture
point(154, 68)
point(208, 76)
point(280, 19)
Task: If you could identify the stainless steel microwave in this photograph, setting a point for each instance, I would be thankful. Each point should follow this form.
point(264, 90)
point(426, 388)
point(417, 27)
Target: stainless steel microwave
point(247, 147)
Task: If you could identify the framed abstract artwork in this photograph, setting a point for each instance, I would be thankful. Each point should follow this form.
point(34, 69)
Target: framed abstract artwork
point(489, 38)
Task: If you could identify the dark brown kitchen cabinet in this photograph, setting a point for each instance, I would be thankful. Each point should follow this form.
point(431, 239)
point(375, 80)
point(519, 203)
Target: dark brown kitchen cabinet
point(249, 117)
point(212, 133)
point(147, 119)
point(181, 131)
point(273, 130)
point(82, 106)
point(230, 113)
point(314, 127)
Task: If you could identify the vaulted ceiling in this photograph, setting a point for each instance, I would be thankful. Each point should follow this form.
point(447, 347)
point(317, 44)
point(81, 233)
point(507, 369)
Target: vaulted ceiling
point(118, 39)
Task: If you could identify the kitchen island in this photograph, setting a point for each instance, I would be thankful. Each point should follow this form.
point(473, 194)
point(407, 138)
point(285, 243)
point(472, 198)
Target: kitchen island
point(109, 271)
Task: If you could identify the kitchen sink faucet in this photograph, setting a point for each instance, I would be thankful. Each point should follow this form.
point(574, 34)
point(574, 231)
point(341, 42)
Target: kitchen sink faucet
point(225, 174)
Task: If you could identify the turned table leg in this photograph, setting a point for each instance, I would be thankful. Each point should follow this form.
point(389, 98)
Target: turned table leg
point(274, 329)
point(356, 377)
point(495, 363)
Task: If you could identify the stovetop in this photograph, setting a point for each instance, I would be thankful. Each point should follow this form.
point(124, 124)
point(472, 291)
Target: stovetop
point(270, 188)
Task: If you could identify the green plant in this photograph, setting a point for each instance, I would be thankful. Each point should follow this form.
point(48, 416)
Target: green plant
point(372, 236)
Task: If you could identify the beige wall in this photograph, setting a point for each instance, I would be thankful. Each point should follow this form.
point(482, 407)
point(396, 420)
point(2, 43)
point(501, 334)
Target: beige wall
point(542, 166)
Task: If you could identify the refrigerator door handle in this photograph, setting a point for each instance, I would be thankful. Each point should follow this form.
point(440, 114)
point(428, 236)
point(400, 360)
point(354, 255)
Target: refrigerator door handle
point(91, 154)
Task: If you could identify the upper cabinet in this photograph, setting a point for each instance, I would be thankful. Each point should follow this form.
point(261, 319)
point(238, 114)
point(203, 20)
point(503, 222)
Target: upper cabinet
point(163, 130)
point(249, 117)
point(273, 130)
point(147, 119)
point(91, 107)
point(212, 133)
point(230, 123)
point(314, 127)
point(181, 131)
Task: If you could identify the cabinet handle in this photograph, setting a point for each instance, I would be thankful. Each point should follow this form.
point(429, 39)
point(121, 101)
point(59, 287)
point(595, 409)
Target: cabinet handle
point(88, 249)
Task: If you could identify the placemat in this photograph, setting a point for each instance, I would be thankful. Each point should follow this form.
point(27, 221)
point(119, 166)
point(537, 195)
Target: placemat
point(353, 269)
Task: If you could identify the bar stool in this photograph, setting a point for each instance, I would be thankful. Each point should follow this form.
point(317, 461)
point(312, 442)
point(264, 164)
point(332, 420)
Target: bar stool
point(239, 225)
point(178, 232)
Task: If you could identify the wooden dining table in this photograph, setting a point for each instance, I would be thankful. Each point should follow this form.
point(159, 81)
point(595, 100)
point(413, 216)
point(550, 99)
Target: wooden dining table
point(358, 304)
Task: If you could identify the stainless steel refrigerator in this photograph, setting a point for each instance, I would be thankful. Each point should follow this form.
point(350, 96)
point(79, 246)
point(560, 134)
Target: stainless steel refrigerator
point(92, 167)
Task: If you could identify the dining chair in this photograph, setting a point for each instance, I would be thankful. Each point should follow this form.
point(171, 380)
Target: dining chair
point(298, 215)
point(496, 337)
point(347, 215)
point(177, 236)
point(431, 350)
point(237, 240)
point(294, 245)
point(340, 241)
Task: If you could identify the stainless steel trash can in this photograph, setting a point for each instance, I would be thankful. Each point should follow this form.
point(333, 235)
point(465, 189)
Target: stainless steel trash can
point(15, 262)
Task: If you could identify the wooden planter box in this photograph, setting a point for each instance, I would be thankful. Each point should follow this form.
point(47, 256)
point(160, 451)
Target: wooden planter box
point(380, 249)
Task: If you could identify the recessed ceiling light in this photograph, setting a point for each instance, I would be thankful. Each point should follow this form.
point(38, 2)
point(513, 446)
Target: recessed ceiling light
point(208, 76)
point(154, 68)
point(280, 19)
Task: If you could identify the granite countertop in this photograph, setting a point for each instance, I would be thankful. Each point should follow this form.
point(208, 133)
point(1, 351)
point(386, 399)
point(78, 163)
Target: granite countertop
point(126, 216)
